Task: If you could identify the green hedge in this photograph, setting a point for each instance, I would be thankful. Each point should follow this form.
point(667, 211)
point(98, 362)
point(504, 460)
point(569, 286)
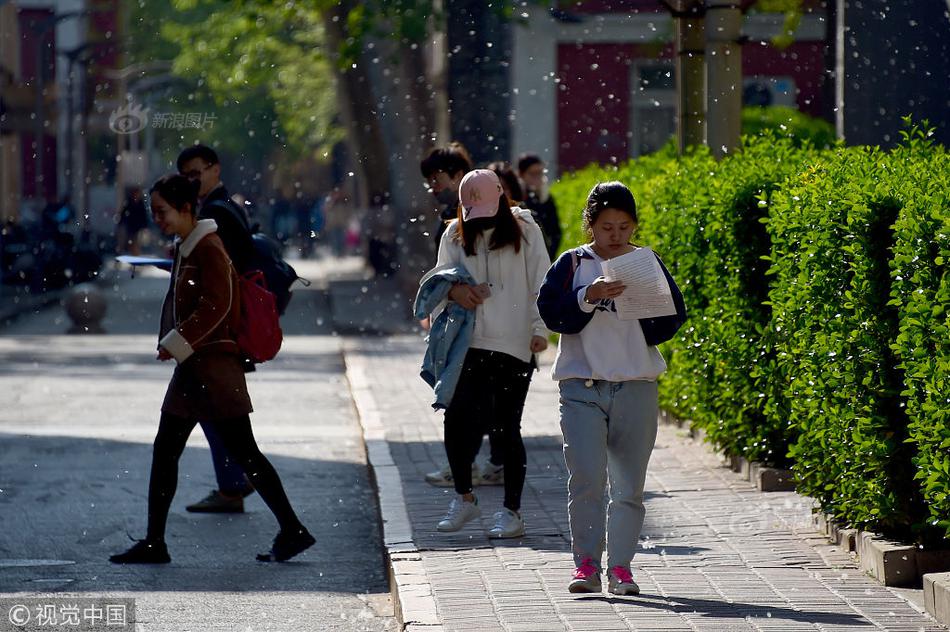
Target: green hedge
point(787, 122)
point(830, 296)
point(817, 291)
point(921, 292)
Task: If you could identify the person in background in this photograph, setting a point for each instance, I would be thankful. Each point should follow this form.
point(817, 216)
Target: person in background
point(200, 163)
point(537, 198)
point(338, 211)
point(606, 369)
point(509, 182)
point(132, 220)
point(502, 250)
point(199, 321)
point(443, 169)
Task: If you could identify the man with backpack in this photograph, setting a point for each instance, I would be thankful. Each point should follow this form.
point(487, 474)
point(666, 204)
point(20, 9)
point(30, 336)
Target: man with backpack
point(200, 162)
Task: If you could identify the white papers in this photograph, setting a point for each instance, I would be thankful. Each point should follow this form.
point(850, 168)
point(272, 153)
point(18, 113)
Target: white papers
point(164, 264)
point(647, 293)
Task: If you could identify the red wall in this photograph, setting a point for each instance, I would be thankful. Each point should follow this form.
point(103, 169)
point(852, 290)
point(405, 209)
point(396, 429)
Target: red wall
point(32, 38)
point(593, 102)
point(803, 61)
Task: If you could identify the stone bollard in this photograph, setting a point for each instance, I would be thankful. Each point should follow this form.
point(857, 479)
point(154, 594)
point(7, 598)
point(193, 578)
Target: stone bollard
point(85, 306)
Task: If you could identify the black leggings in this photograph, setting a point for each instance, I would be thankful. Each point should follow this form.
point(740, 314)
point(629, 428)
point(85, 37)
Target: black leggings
point(238, 440)
point(489, 397)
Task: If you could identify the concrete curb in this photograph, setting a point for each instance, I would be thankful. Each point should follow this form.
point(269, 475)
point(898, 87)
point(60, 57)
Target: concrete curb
point(891, 563)
point(765, 478)
point(937, 596)
point(410, 584)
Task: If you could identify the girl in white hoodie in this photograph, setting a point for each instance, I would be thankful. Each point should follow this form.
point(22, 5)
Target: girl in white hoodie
point(503, 249)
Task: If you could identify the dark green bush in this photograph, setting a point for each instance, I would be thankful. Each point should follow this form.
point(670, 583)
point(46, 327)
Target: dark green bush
point(709, 219)
point(921, 292)
point(832, 237)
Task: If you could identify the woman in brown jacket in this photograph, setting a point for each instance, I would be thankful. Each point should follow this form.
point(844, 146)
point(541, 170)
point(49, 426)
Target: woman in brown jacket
point(199, 319)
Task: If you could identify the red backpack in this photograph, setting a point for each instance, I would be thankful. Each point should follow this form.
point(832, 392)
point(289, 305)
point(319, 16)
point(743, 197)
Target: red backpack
point(258, 335)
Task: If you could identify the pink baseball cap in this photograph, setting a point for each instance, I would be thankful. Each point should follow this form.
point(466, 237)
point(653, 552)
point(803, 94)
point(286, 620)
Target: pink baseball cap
point(479, 193)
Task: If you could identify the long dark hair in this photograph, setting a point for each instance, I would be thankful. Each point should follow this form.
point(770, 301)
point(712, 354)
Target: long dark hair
point(606, 195)
point(178, 190)
point(508, 179)
point(507, 231)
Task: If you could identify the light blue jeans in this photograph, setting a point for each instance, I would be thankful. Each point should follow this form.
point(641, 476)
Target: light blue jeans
point(609, 431)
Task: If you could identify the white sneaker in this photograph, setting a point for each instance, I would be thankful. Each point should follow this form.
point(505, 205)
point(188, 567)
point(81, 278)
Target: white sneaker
point(493, 474)
point(443, 477)
point(460, 512)
point(508, 524)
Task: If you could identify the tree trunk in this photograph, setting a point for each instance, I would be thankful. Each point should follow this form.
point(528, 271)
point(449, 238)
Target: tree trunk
point(723, 76)
point(357, 105)
point(689, 34)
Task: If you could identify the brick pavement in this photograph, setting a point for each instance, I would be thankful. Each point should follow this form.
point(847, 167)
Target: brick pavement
point(715, 554)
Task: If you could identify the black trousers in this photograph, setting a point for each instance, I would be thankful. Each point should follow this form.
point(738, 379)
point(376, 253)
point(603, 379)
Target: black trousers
point(489, 398)
point(238, 439)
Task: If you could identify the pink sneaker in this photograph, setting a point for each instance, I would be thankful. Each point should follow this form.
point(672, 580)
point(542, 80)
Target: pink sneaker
point(620, 582)
point(586, 578)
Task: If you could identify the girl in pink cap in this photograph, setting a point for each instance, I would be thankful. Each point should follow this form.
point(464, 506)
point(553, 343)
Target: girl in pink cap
point(503, 250)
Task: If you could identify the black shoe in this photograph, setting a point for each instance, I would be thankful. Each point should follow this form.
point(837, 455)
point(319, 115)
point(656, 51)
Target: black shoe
point(143, 552)
point(216, 502)
point(286, 545)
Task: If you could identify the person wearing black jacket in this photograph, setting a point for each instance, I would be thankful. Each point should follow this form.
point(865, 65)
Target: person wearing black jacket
point(443, 169)
point(539, 201)
point(200, 162)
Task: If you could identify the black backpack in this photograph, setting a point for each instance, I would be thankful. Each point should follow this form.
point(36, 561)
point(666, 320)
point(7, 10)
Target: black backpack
point(268, 258)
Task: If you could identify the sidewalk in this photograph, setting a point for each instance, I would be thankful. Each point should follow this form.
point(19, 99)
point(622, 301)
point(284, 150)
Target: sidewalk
point(716, 554)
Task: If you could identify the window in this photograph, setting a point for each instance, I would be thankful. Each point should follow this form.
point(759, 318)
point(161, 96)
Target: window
point(652, 106)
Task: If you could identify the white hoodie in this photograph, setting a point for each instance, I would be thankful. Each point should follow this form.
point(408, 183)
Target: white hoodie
point(508, 318)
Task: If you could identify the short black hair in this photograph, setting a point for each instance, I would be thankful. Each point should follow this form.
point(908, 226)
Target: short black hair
point(197, 151)
point(451, 159)
point(606, 195)
point(526, 161)
point(178, 190)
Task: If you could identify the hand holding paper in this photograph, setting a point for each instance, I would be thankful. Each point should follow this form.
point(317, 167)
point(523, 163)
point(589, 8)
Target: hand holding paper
point(647, 293)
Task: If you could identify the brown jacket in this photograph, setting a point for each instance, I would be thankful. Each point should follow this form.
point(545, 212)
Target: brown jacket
point(202, 309)
point(200, 316)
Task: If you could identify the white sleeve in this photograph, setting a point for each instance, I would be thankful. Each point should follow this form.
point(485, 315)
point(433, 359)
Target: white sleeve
point(584, 305)
point(537, 263)
point(448, 248)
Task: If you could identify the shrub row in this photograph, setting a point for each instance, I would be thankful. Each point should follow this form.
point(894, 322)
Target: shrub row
point(818, 334)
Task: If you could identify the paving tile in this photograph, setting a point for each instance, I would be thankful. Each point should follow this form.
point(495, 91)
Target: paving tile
point(715, 553)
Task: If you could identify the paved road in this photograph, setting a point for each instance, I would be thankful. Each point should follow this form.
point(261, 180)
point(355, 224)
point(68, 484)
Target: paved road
point(715, 555)
point(76, 423)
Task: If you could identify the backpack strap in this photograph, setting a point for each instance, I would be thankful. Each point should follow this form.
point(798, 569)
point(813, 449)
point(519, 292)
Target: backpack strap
point(575, 261)
point(236, 212)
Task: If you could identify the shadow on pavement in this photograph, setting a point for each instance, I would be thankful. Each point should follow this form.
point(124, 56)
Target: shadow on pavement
point(78, 500)
point(710, 608)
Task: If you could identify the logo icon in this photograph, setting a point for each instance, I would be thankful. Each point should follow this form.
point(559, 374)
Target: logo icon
point(128, 119)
